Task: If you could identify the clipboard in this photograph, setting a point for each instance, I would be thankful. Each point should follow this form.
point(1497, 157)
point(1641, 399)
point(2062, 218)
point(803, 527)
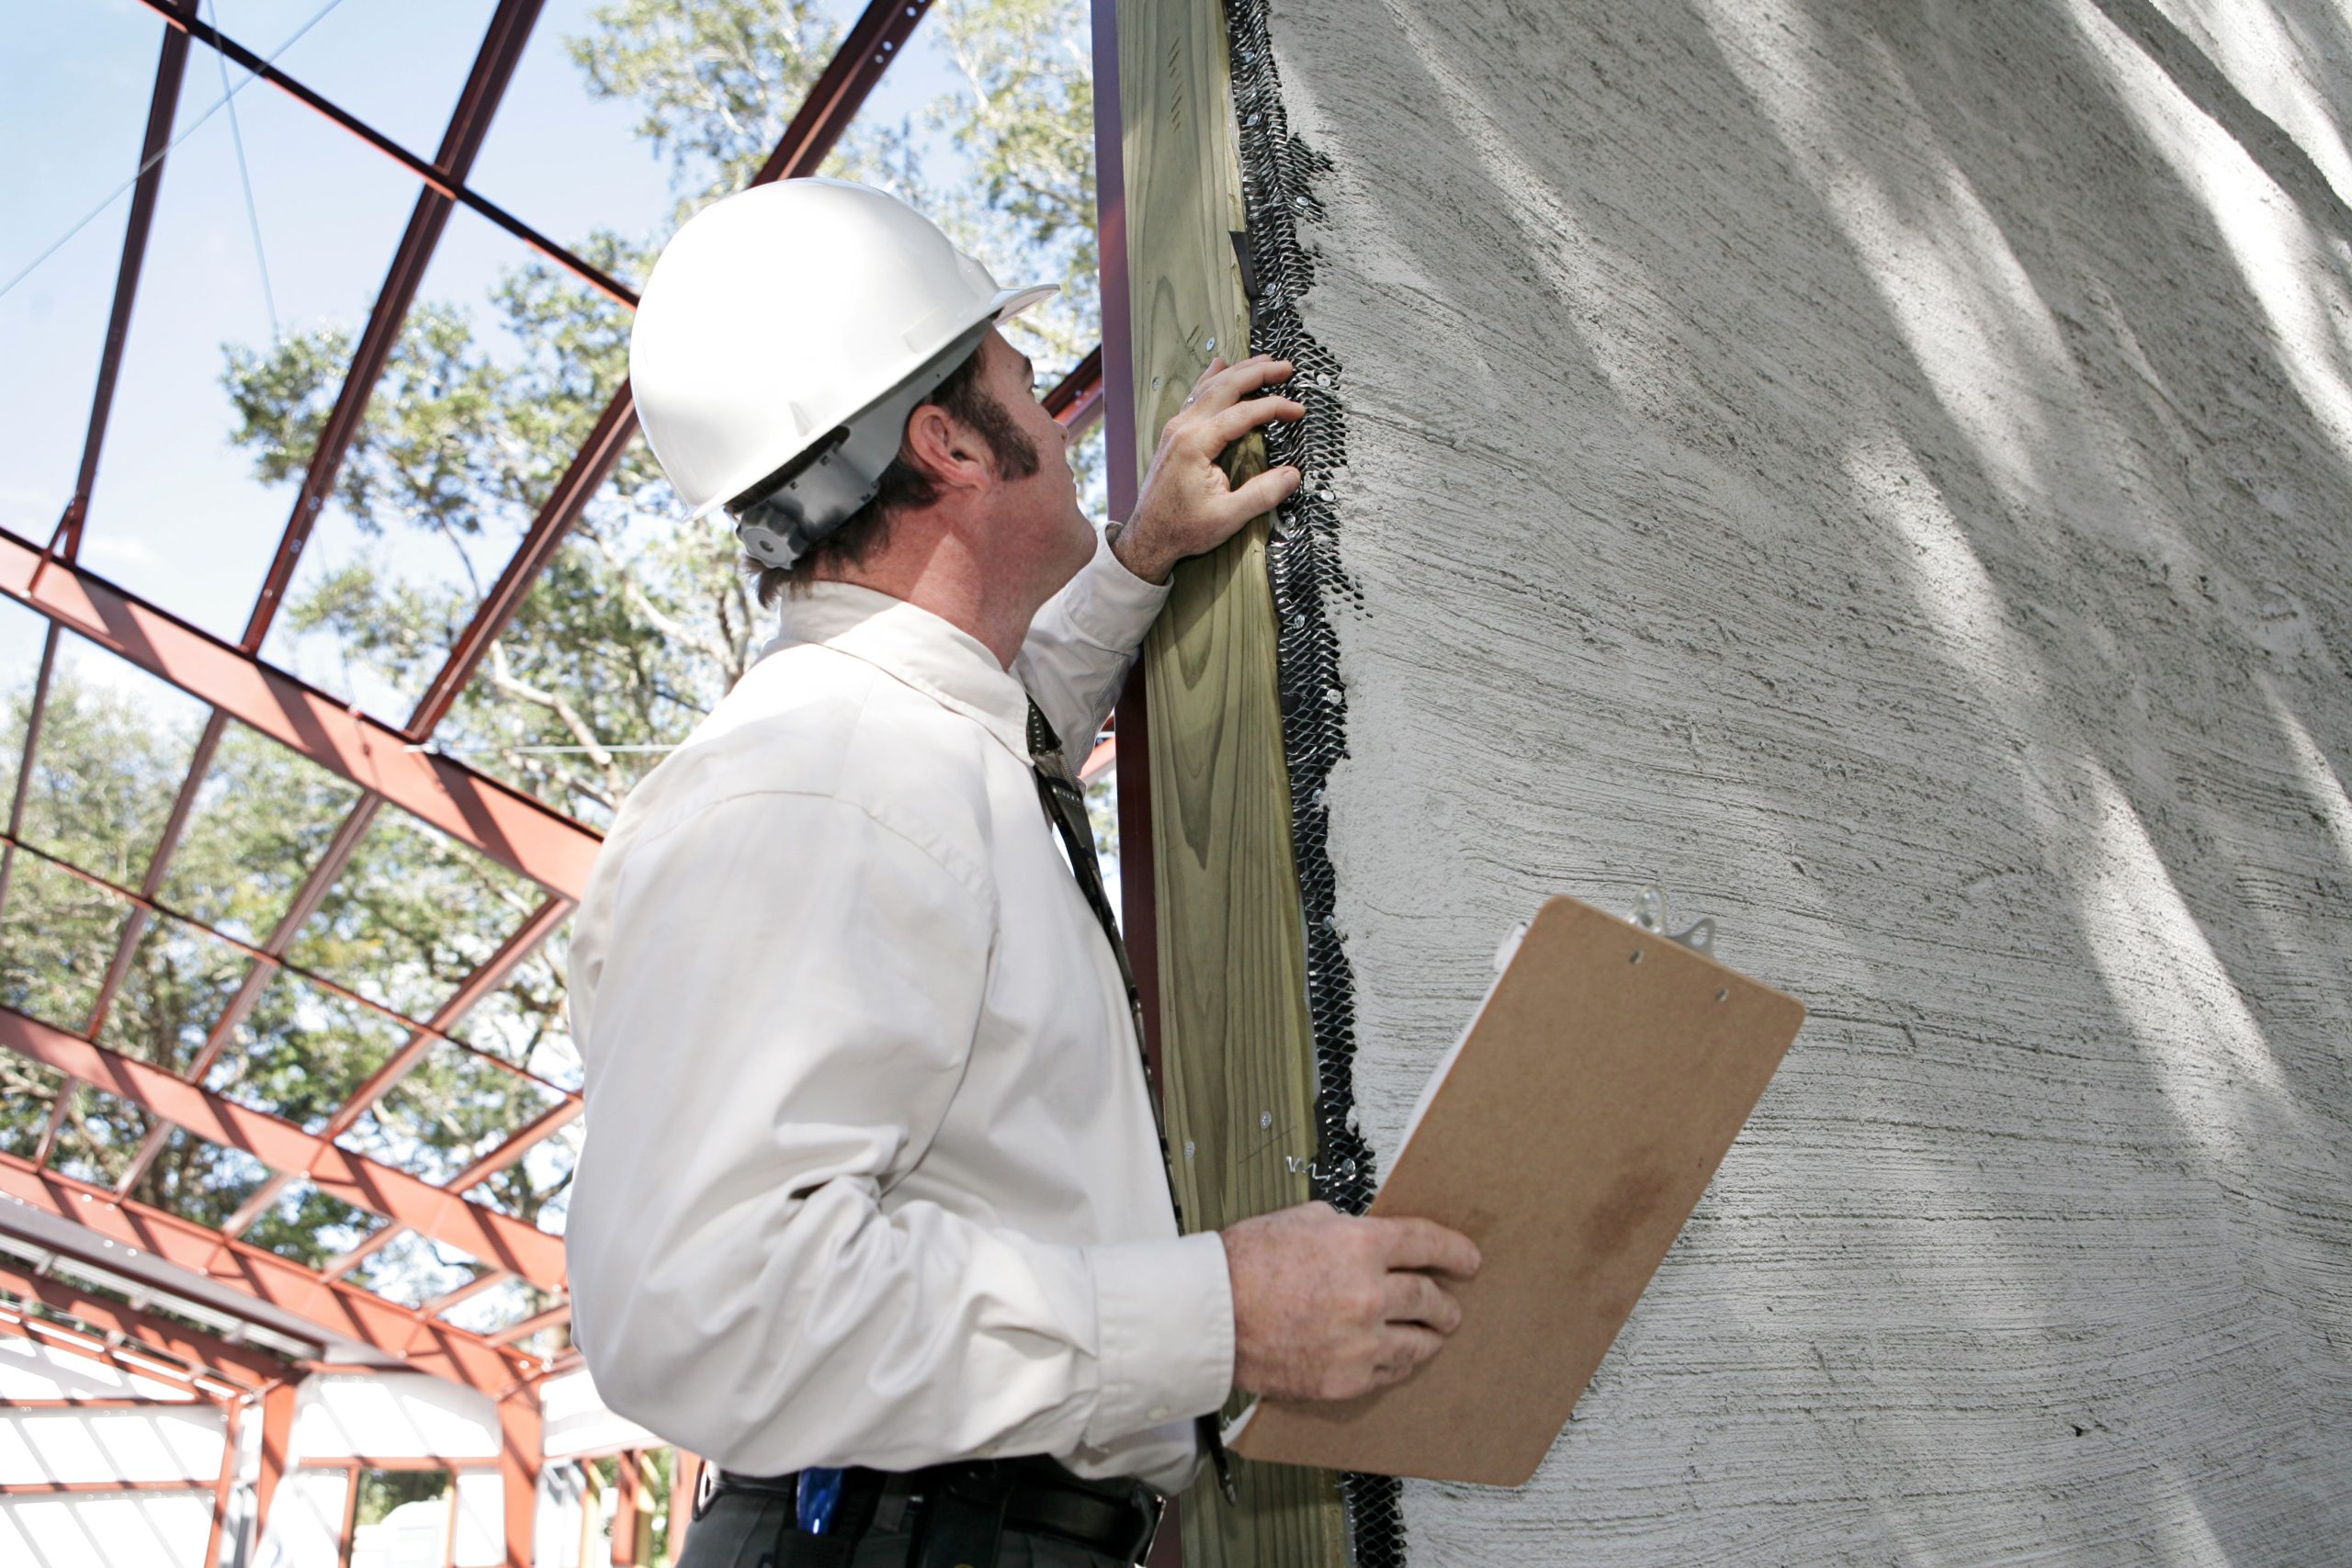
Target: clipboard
point(1570, 1135)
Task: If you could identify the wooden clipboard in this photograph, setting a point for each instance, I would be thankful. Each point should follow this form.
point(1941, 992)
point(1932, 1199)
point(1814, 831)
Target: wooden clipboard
point(1580, 1119)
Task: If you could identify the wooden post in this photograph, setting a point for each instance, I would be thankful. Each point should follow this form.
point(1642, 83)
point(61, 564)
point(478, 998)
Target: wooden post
point(1234, 1033)
point(522, 1430)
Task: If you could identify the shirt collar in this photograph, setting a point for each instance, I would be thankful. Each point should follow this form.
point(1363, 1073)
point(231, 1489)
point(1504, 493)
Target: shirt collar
point(914, 646)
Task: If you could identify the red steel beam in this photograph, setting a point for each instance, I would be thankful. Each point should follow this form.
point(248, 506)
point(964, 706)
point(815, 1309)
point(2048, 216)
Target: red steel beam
point(874, 41)
point(497, 1159)
point(103, 1353)
point(224, 1485)
point(841, 90)
point(685, 1483)
point(550, 1318)
point(246, 1366)
point(467, 1292)
point(266, 964)
point(158, 862)
point(1077, 400)
point(493, 974)
point(582, 478)
point(33, 717)
point(9, 1325)
point(271, 959)
point(1120, 465)
point(521, 1451)
point(512, 829)
point(469, 124)
point(331, 1306)
point(58, 1108)
point(170, 69)
point(552, 1119)
point(502, 49)
point(51, 1488)
point(1103, 758)
point(436, 1032)
point(1139, 917)
point(425, 1036)
point(448, 1217)
point(630, 1482)
point(455, 190)
point(277, 1452)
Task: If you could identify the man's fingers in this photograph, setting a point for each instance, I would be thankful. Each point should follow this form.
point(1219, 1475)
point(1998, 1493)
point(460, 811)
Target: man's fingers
point(1231, 424)
point(1262, 493)
point(1222, 389)
point(1425, 1243)
point(1402, 1347)
point(1417, 1298)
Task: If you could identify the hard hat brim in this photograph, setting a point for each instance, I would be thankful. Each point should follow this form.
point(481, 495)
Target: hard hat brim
point(1007, 304)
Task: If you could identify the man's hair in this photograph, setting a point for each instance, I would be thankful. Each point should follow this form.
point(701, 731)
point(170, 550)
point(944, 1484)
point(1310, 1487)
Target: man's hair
point(904, 486)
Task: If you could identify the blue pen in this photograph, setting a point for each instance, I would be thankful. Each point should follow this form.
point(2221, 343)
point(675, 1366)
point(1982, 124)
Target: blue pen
point(819, 1496)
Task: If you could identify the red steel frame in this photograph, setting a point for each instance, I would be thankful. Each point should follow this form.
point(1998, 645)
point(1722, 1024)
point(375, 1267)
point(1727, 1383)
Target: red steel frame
point(183, 19)
point(1115, 396)
point(509, 1243)
point(162, 105)
point(333, 1307)
point(388, 763)
point(244, 1367)
point(509, 826)
point(112, 1353)
point(501, 51)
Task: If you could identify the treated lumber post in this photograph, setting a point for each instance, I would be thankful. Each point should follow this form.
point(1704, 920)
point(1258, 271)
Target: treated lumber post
point(1235, 1039)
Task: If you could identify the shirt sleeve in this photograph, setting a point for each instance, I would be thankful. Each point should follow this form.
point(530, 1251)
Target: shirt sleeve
point(1080, 646)
point(764, 1061)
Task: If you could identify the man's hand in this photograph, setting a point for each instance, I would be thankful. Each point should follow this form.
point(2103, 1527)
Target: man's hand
point(1185, 505)
point(1328, 1307)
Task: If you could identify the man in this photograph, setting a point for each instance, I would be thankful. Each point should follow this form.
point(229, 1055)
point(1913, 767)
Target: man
point(873, 1184)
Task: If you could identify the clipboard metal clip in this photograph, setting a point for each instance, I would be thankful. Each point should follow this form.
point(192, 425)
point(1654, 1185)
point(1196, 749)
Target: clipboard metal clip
point(1649, 913)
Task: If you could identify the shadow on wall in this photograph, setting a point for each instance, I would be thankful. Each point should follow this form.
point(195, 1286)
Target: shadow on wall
point(1884, 469)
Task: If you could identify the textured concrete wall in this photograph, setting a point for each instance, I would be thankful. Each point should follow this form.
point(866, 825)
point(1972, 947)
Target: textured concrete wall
point(1884, 469)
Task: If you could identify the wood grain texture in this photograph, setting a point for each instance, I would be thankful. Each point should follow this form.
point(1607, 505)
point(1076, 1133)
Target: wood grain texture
point(1883, 471)
point(1235, 1040)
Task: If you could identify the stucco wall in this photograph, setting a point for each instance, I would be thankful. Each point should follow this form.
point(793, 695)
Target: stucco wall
point(1885, 470)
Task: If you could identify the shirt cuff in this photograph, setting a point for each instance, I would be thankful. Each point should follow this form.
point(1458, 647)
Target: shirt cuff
point(1164, 1317)
point(1108, 604)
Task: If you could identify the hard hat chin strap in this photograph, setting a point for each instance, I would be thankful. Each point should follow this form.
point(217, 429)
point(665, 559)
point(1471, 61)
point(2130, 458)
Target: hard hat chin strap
point(826, 485)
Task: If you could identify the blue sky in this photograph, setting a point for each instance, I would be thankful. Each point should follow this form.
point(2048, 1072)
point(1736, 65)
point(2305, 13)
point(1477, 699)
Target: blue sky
point(176, 515)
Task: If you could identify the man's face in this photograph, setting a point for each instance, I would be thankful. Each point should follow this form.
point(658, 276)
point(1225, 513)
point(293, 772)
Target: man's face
point(1039, 520)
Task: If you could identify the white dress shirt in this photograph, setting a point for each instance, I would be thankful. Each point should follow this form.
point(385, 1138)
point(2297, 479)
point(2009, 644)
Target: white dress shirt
point(871, 1175)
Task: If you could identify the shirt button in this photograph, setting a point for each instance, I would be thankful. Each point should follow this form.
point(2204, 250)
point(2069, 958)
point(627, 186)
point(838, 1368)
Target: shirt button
point(1158, 1413)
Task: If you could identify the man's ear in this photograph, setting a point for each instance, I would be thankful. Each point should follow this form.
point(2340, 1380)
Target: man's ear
point(941, 447)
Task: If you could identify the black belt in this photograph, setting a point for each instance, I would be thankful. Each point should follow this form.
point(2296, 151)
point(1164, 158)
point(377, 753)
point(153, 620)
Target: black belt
point(1038, 1496)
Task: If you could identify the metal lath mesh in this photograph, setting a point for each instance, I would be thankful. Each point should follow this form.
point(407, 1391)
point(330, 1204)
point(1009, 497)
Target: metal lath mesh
point(1277, 176)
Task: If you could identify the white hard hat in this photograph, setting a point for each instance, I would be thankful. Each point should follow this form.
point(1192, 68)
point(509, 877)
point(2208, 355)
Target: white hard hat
point(801, 320)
